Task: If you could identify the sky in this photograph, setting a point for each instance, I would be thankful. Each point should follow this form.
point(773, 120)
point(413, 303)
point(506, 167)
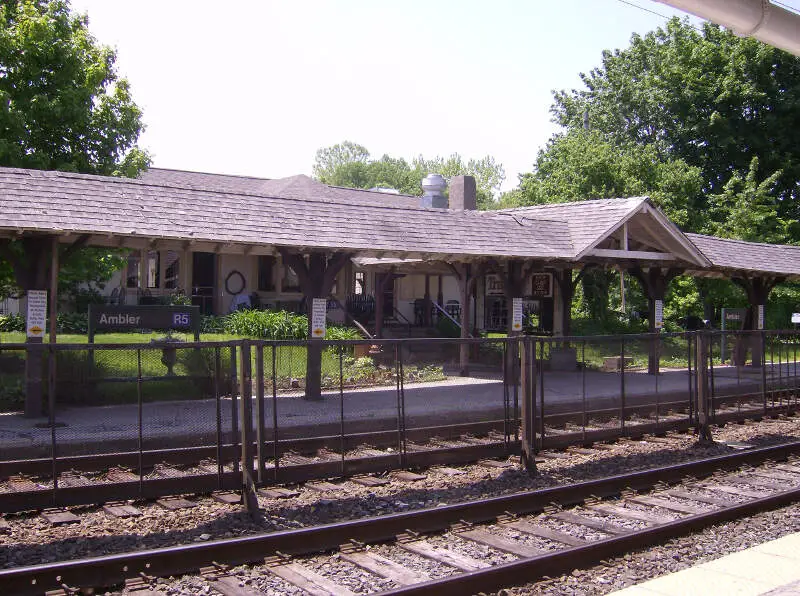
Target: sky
point(255, 87)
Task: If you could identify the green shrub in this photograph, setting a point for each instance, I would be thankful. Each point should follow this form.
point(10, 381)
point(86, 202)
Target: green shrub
point(262, 324)
point(72, 322)
point(12, 323)
point(212, 324)
point(340, 333)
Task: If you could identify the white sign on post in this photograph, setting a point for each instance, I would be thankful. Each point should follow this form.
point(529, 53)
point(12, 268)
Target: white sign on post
point(760, 316)
point(516, 318)
point(796, 317)
point(37, 313)
point(659, 314)
point(319, 311)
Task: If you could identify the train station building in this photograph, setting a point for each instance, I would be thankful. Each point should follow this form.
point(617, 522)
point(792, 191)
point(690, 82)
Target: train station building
point(231, 241)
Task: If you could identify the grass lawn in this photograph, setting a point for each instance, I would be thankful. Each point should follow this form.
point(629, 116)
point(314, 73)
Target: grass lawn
point(109, 376)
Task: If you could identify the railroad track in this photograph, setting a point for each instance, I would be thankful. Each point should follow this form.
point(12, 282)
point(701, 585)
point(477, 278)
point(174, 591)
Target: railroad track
point(459, 549)
point(83, 480)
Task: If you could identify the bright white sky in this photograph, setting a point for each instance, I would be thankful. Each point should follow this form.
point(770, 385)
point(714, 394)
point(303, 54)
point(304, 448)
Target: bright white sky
point(257, 86)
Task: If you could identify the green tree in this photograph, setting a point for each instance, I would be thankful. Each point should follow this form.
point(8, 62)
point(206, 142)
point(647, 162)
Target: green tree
point(581, 164)
point(349, 164)
point(746, 209)
point(62, 107)
point(707, 97)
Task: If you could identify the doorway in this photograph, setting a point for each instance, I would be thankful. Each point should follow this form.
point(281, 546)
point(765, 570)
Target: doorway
point(204, 272)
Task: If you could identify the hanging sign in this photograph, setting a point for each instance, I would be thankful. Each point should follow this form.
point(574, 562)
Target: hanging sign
point(542, 285)
point(760, 316)
point(494, 285)
point(319, 310)
point(659, 314)
point(36, 319)
point(516, 310)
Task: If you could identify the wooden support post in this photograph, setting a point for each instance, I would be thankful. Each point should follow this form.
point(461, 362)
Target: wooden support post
point(316, 278)
point(249, 498)
point(426, 316)
point(757, 290)
point(219, 285)
point(654, 283)
point(380, 288)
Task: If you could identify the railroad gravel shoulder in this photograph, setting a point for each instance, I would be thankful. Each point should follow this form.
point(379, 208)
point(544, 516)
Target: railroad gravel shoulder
point(31, 540)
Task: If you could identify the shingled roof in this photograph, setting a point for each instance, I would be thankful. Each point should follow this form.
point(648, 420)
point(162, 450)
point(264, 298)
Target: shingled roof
point(299, 186)
point(729, 255)
point(300, 213)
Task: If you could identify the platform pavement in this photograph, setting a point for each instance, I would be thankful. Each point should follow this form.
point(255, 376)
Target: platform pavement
point(181, 423)
point(772, 568)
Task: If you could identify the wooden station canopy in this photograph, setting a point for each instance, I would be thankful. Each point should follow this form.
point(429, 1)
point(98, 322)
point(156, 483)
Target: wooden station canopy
point(239, 215)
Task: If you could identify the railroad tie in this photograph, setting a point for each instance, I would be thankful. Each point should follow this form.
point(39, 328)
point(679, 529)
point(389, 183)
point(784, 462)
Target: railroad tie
point(277, 492)
point(385, 568)
point(774, 475)
point(230, 586)
point(308, 580)
point(443, 555)
point(546, 533)
point(121, 510)
point(500, 543)
point(633, 514)
point(581, 520)
point(323, 487)
point(666, 504)
point(370, 480)
point(708, 500)
point(407, 476)
point(732, 490)
point(59, 517)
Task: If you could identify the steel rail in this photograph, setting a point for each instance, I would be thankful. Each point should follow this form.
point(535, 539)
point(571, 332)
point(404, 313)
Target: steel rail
point(113, 570)
point(199, 483)
point(526, 570)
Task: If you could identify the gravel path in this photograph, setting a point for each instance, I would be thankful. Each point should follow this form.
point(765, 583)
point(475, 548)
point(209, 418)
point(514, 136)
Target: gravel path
point(31, 540)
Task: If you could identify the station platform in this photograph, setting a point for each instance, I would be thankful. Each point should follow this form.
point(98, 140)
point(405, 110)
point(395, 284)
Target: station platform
point(771, 568)
point(455, 400)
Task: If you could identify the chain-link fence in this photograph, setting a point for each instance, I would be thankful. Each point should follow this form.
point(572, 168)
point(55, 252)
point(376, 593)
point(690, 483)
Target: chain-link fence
point(159, 413)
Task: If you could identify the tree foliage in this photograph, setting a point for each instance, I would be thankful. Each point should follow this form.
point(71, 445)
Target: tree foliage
point(709, 98)
point(703, 122)
point(350, 164)
point(62, 107)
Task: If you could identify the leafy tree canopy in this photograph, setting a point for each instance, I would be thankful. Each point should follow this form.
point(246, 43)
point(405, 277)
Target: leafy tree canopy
point(350, 164)
point(708, 97)
point(62, 105)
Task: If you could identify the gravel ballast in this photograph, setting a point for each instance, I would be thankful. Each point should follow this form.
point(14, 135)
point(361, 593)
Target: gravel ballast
point(32, 540)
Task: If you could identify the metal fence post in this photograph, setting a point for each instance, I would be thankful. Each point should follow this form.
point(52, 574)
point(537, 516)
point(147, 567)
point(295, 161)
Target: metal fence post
point(246, 414)
point(528, 380)
point(703, 394)
point(260, 431)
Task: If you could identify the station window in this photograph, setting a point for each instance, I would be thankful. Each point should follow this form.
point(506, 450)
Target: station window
point(266, 268)
point(360, 283)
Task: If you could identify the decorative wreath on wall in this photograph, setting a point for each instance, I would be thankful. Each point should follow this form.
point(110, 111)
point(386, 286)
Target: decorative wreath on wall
point(234, 283)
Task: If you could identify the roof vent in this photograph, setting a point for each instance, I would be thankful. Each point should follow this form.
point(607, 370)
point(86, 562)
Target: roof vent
point(433, 187)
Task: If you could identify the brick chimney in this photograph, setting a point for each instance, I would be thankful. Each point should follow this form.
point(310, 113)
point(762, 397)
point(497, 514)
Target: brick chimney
point(463, 193)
